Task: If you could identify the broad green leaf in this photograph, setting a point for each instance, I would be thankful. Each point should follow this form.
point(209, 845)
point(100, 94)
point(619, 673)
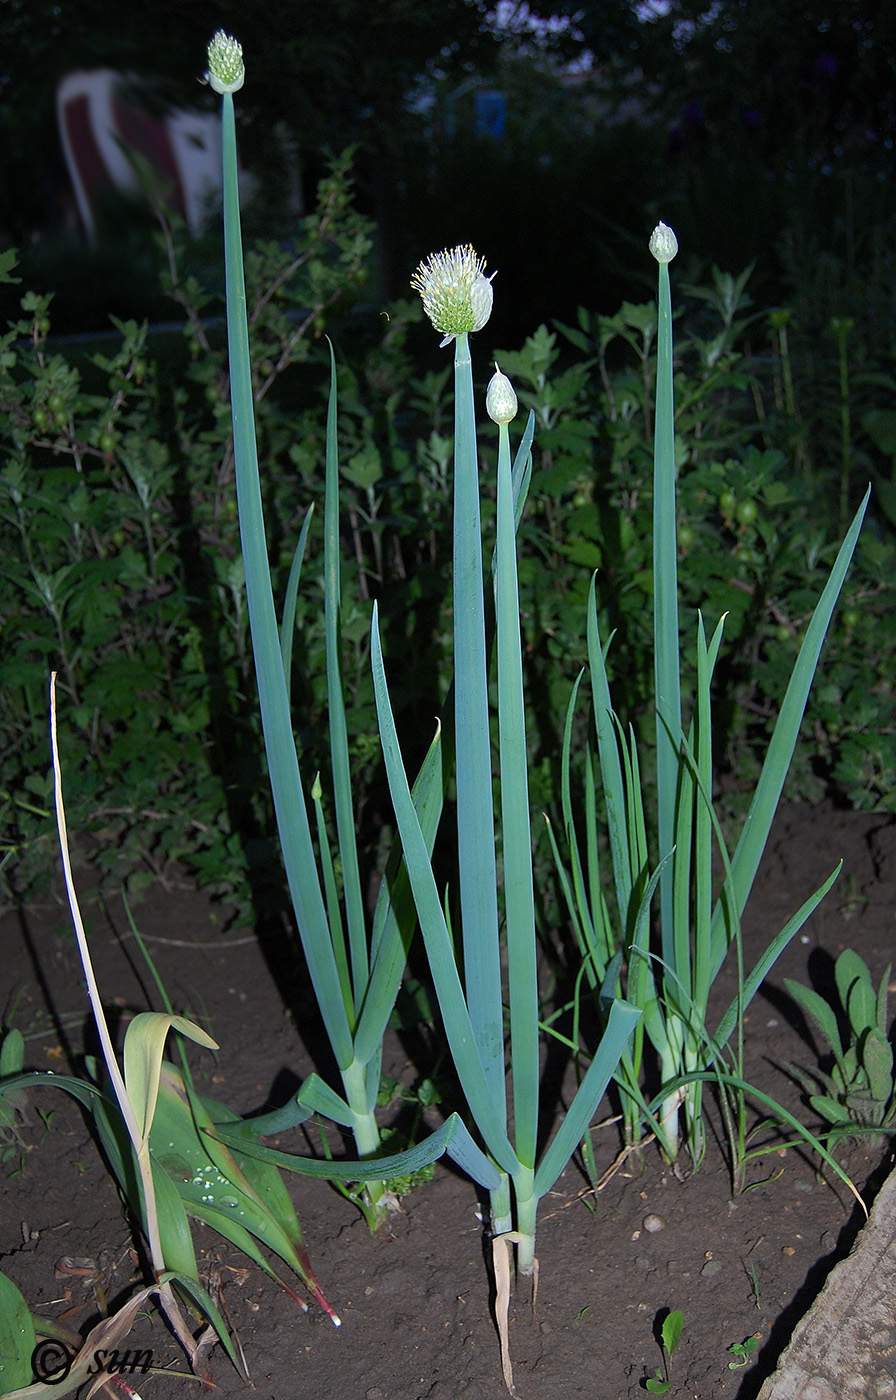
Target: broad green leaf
point(16, 1338)
point(830, 1109)
point(856, 991)
point(673, 1327)
point(213, 1184)
point(144, 1046)
point(877, 1058)
point(820, 1011)
point(12, 1053)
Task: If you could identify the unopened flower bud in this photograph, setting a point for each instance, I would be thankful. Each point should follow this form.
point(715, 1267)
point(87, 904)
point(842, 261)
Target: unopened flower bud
point(226, 71)
point(457, 296)
point(500, 399)
point(663, 243)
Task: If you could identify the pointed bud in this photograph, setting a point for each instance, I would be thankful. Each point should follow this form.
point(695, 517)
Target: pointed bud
point(226, 71)
point(663, 243)
point(500, 399)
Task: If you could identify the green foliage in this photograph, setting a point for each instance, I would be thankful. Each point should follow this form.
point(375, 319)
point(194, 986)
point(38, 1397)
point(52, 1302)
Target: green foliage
point(670, 1333)
point(858, 1092)
point(16, 1338)
point(121, 567)
point(14, 1108)
point(120, 559)
point(669, 846)
point(742, 1351)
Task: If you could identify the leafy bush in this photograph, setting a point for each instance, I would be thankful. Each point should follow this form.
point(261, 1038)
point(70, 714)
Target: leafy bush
point(121, 562)
point(121, 565)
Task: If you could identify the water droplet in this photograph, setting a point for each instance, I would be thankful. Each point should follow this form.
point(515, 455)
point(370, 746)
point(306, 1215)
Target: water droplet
point(230, 1201)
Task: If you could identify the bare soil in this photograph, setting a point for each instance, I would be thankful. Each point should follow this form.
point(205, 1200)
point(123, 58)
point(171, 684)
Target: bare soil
point(416, 1299)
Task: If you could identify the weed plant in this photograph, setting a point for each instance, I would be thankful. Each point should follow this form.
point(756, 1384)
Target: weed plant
point(855, 1074)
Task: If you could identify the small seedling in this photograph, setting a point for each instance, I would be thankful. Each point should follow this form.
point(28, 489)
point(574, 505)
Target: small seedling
point(753, 1276)
point(742, 1351)
point(859, 1092)
point(673, 1325)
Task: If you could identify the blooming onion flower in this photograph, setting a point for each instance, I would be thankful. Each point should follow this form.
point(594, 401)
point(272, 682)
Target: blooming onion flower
point(226, 72)
point(457, 296)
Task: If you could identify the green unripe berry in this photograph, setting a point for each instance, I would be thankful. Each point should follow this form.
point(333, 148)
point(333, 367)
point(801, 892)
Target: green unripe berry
point(56, 403)
point(686, 535)
point(107, 442)
point(40, 420)
point(782, 633)
point(746, 513)
point(727, 503)
point(851, 618)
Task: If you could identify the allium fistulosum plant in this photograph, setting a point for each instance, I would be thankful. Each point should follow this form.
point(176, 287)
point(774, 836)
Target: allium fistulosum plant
point(466, 969)
point(671, 982)
point(355, 973)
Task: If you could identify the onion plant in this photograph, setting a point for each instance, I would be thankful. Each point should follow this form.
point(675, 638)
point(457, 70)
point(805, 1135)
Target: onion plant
point(355, 972)
point(671, 980)
point(466, 968)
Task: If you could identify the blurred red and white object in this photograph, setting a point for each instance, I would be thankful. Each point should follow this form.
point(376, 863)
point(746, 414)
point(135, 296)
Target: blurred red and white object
point(99, 119)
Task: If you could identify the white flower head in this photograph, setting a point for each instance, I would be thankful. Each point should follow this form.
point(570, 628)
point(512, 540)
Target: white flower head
point(663, 243)
point(500, 398)
point(226, 71)
point(457, 296)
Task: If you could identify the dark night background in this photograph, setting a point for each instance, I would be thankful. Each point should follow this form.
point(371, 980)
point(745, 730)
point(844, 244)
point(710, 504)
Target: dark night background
point(759, 131)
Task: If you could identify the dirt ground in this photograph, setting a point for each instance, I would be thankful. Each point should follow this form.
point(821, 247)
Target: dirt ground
point(416, 1299)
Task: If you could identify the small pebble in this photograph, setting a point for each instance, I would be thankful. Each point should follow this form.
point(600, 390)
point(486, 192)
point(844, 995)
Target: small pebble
point(788, 1249)
point(711, 1268)
point(654, 1223)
